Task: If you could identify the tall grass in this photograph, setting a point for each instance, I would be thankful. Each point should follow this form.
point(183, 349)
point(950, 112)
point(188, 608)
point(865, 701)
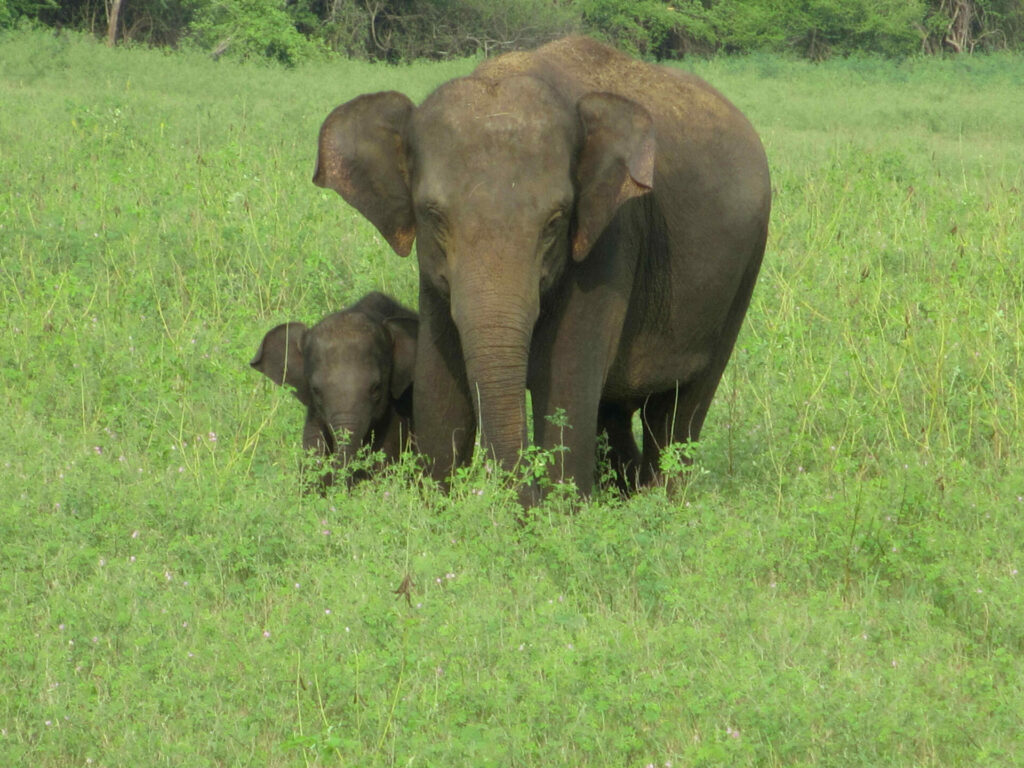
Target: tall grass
point(837, 585)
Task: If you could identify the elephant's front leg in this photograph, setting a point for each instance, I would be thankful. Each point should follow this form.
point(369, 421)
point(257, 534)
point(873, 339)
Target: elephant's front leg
point(574, 346)
point(442, 408)
point(568, 365)
point(565, 406)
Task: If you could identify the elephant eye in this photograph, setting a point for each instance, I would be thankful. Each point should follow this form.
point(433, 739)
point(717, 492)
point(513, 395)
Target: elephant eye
point(375, 391)
point(553, 228)
point(436, 221)
point(433, 215)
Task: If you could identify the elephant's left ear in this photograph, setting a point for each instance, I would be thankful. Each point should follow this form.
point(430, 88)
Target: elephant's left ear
point(361, 156)
point(279, 358)
point(403, 332)
point(615, 164)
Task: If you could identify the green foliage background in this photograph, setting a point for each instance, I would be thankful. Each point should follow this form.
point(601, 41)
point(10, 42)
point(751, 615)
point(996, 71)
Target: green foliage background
point(406, 30)
point(837, 585)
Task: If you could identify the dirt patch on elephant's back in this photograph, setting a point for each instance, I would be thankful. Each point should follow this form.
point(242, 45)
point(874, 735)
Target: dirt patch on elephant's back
point(506, 65)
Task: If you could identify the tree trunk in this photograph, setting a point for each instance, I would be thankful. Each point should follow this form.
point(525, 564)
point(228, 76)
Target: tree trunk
point(113, 18)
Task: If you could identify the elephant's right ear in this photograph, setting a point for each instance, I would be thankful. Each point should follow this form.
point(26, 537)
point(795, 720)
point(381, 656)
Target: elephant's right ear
point(280, 358)
point(362, 157)
point(616, 163)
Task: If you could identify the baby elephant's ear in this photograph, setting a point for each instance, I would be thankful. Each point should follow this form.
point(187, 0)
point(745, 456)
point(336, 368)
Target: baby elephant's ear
point(280, 358)
point(403, 332)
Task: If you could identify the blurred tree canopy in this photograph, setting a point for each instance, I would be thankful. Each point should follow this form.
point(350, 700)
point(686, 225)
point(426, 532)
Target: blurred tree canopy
point(404, 30)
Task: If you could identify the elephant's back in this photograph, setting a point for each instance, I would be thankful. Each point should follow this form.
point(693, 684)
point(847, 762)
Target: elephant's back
point(693, 121)
point(574, 66)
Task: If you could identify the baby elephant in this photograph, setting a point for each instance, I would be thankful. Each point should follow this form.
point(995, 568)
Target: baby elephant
point(353, 372)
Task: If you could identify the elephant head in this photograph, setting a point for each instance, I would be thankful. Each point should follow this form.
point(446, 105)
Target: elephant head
point(348, 370)
point(504, 184)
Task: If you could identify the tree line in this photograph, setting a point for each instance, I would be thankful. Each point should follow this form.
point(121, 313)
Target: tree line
point(290, 31)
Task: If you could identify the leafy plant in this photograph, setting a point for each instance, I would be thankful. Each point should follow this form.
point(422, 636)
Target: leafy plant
point(247, 29)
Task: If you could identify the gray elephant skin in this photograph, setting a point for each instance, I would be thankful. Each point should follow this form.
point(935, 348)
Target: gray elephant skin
point(588, 226)
point(353, 371)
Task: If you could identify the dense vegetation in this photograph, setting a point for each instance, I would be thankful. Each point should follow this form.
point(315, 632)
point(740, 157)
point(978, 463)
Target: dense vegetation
point(838, 586)
point(394, 30)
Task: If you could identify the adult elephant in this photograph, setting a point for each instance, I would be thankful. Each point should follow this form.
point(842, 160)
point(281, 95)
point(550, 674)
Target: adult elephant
point(589, 226)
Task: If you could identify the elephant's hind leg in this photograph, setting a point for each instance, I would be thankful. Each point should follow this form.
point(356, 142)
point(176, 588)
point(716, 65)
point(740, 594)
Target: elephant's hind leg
point(616, 421)
point(670, 417)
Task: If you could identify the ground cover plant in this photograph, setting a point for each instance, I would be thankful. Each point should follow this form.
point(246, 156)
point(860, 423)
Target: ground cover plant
point(837, 585)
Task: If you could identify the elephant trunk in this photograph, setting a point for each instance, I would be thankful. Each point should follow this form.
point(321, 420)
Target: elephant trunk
point(495, 331)
point(347, 433)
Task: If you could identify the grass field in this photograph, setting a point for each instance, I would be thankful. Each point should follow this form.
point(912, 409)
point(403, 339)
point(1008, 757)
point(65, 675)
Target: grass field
point(837, 585)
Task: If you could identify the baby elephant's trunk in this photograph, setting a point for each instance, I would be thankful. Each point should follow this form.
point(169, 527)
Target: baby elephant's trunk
point(348, 433)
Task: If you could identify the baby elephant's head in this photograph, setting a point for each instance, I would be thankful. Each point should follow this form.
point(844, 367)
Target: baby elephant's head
point(349, 370)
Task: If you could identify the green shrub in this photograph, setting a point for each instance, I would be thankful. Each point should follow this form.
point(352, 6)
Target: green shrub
point(13, 11)
point(640, 27)
point(820, 28)
point(448, 28)
point(250, 29)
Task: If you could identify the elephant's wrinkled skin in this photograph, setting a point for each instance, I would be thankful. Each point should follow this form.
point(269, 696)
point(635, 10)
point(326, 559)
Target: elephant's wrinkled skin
point(353, 372)
point(589, 226)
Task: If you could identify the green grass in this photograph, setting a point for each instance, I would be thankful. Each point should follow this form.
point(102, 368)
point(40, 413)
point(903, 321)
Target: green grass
point(837, 585)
